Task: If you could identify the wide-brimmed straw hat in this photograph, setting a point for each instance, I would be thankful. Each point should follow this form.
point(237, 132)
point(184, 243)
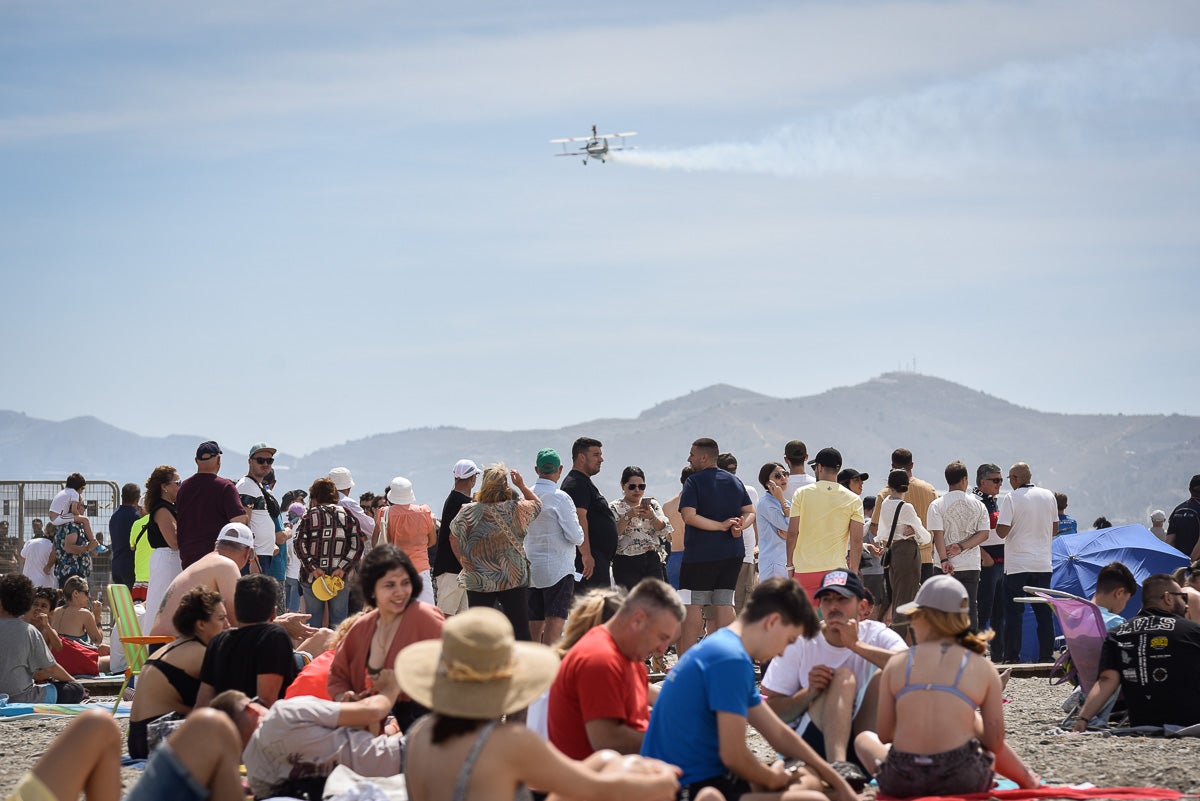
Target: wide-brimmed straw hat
point(327, 587)
point(477, 670)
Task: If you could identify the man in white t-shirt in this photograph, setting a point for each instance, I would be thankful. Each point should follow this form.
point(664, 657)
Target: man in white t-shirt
point(795, 454)
point(37, 553)
point(259, 503)
point(831, 680)
point(959, 523)
point(1027, 522)
point(299, 741)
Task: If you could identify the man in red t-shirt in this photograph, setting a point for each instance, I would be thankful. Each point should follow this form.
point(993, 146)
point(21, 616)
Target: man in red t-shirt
point(601, 697)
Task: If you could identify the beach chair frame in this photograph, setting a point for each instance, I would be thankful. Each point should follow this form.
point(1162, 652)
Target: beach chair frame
point(133, 642)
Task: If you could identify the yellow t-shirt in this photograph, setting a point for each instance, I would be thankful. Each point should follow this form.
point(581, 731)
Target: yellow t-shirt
point(142, 549)
point(825, 510)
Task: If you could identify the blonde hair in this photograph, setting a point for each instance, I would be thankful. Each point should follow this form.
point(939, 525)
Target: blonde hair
point(493, 488)
point(1188, 575)
point(342, 630)
point(956, 625)
point(591, 610)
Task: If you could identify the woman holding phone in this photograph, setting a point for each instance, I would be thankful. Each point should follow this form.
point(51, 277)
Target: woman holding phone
point(642, 527)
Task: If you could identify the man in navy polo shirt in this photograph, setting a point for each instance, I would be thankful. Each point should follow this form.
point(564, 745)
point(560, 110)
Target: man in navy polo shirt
point(715, 508)
point(1183, 528)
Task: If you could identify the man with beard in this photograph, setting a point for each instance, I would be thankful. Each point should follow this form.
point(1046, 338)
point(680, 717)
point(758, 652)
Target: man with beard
point(828, 687)
point(594, 561)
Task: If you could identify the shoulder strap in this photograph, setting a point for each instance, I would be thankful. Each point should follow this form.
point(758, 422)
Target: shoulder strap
point(895, 519)
point(464, 775)
point(381, 528)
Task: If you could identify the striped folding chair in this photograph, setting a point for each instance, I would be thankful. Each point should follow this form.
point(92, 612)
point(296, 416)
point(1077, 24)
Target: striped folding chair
point(133, 642)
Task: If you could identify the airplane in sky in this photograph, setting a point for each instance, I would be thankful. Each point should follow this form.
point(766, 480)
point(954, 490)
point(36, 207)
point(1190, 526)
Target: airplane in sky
point(596, 146)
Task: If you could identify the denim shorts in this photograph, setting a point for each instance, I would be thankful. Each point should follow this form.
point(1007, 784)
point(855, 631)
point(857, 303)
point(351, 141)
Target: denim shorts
point(966, 769)
point(166, 777)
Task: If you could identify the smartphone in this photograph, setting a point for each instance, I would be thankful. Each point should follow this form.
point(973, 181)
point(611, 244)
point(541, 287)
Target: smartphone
point(646, 502)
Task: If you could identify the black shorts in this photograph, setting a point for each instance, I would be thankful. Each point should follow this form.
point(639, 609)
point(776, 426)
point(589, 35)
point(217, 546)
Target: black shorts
point(552, 601)
point(729, 785)
point(710, 582)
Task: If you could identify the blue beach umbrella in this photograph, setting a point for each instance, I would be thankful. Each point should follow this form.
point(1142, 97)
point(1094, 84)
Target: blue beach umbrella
point(1076, 559)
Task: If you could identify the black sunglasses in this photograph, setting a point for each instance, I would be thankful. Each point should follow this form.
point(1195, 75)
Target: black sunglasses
point(264, 460)
point(636, 486)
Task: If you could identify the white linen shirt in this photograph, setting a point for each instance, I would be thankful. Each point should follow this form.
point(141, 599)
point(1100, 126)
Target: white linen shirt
point(366, 523)
point(553, 536)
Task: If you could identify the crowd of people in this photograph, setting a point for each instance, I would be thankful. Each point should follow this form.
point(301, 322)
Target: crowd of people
point(325, 629)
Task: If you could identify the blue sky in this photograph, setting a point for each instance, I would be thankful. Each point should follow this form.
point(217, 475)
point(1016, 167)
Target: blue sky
point(315, 222)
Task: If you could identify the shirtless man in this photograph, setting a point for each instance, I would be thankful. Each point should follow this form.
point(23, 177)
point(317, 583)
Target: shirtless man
point(219, 571)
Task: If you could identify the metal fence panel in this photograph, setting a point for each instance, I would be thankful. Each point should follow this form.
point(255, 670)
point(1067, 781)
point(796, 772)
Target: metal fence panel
point(25, 505)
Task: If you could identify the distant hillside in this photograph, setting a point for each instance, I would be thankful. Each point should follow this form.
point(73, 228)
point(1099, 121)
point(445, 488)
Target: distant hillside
point(1120, 466)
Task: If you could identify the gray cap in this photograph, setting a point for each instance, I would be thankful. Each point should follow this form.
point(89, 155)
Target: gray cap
point(943, 593)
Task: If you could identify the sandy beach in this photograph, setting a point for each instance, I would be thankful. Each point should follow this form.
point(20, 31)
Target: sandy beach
point(1032, 715)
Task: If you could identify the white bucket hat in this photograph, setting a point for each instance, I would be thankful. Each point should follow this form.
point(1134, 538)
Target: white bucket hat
point(341, 478)
point(400, 492)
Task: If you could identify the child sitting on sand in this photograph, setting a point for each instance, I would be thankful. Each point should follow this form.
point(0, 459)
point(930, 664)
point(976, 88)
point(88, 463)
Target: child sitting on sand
point(929, 739)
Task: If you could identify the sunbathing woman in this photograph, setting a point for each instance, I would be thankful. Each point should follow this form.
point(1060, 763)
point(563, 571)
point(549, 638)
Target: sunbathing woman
point(74, 657)
point(930, 739)
point(76, 619)
point(169, 682)
point(471, 678)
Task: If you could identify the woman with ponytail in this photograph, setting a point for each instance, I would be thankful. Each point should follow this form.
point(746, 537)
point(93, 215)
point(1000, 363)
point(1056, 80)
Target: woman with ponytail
point(930, 738)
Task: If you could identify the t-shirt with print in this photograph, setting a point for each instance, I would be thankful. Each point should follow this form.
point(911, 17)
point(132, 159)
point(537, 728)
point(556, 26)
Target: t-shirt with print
point(60, 507)
point(714, 676)
point(299, 738)
point(1157, 656)
point(718, 495)
point(594, 682)
point(959, 516)
point(235, 658)
point(788, 673)
point(23, 654)
point(261, 522)
point(602, 525)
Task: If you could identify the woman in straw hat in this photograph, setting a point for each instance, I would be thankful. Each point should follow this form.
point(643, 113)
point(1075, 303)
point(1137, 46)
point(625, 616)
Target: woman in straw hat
point(929, 739)
point(471, 678)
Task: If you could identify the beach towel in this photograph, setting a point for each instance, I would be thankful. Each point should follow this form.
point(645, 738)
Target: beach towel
point(27, 711)
point(1075, 791)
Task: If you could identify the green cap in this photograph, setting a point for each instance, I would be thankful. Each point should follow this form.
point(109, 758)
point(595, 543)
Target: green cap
point(548, 461)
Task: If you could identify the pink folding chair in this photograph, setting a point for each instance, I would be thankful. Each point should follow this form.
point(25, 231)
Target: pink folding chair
point(1083, 631)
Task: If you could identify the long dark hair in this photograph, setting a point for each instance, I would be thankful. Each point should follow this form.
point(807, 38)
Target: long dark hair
point(161, 475)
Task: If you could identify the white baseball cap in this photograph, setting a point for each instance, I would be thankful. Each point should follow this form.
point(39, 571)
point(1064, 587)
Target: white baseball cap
point(341, 478)
point(238, 533)
point(465, 468)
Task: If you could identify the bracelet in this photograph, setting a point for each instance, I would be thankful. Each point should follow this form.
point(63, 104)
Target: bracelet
point(790, 567)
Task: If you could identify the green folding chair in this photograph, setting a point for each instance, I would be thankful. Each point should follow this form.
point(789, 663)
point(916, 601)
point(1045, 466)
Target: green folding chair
point(133, 642)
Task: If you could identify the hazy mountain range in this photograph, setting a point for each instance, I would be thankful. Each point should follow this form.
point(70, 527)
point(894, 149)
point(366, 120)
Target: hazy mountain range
point(1120, 466)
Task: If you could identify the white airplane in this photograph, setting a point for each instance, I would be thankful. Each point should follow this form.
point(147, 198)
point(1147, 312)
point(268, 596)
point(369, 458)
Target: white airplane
point(597, 146)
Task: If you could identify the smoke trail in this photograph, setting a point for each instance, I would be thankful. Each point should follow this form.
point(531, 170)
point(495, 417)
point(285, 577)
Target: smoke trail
point(1110, 102)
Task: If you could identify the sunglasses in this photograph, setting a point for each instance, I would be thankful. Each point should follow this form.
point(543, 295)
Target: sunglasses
point(994, 480)
point(264, 460)
point(1176, 594)
point(176, 482)
point(635, 486)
